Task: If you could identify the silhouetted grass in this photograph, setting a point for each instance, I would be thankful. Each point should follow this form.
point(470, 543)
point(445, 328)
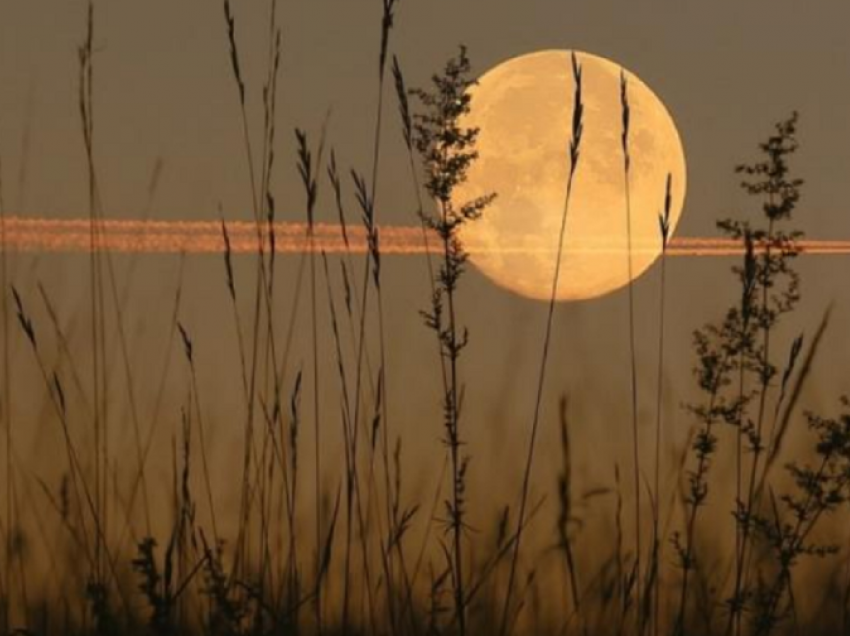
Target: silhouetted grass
point(318, 544)
point(574, 154)
point(447, 150)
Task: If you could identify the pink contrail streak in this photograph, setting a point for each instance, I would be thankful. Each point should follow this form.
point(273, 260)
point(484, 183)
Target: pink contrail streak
point(205, 237)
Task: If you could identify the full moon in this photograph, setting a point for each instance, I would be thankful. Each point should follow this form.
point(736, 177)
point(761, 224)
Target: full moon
point(524, 110)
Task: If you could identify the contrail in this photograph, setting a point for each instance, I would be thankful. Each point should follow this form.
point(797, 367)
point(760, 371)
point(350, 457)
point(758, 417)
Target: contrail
point(206, 237)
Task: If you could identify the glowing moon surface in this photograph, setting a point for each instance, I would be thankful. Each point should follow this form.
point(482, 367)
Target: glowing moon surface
point(524, 111)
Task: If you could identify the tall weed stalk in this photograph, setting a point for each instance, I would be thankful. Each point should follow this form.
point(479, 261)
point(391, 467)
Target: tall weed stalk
point(577, 130)
point(447, 150)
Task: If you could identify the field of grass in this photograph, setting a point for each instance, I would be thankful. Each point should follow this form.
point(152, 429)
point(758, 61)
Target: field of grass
point(310, 520)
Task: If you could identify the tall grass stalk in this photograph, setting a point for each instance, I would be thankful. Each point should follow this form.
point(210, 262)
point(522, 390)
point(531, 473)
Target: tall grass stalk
point(658, 543)
point(270, 93)
point(372, 237)
point(99, 388)
point(260, 284)
point(565, 518)
point(368, 198)
point(627, 164)
point(387, 22)
point(104, 564)
point(368, 218)
point(292, 499)
point(189, 352)
point(622, 586)
point(99, 317)
point(351, 288)
point(368, 202)
point(383, 390)
point(574, 154)
point(346, 432)
point(310, 184)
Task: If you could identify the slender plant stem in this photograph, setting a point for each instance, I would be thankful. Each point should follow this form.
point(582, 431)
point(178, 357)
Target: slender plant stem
point(741, 563)
point(658, 543)
point(659, 398)
point(541, 379)
point(693, 513)
point(632, 354)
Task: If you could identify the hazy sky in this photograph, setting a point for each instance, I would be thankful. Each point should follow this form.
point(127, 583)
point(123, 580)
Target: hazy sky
point(727, 70)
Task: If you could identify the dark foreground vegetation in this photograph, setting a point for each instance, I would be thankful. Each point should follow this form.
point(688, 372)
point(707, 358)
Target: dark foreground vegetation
point(364, 557)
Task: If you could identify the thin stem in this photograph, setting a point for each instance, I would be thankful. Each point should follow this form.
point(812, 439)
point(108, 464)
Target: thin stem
point(658, 439)
point(526, 480)
point(741, 565)
point(454, 436)
point(632, 355)
point(697, 500)
point(575, 147)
